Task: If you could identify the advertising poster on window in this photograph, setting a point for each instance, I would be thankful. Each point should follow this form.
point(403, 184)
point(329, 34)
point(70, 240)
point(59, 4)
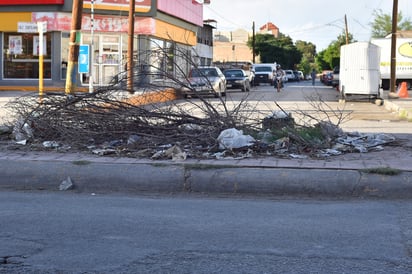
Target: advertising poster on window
point(15, 44)
point(36, 45)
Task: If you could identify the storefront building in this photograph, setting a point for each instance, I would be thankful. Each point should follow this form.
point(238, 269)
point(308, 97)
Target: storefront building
point(171, 25)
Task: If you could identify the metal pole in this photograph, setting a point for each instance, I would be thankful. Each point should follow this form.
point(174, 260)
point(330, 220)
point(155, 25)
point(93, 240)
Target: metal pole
point(72, 65)
point(41, 30)
point(91, 47)
point(253, 43)
point(393, 45)
point(130, 47)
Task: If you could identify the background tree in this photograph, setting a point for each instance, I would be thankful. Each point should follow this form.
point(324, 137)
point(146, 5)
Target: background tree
point(280, 50)
point(308, 51)
point(382, 23)
point(330, 57)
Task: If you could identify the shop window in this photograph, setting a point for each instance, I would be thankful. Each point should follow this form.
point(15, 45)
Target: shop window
point(21, 56)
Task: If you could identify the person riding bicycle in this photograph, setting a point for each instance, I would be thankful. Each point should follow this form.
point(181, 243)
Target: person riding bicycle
point(278, 75)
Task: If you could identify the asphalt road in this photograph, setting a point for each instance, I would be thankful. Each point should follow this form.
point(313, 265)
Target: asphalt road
point(75, 233)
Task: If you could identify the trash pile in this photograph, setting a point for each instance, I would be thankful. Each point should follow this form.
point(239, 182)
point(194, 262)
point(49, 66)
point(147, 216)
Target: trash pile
point(232, 143)
point(104, 126)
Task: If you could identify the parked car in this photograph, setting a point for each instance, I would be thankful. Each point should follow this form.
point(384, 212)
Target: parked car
point(237, 79)
point(205, 81)
point(325, 77)
point(300, 75)
point(335, 79)
point(290, 75)
point(297, 76)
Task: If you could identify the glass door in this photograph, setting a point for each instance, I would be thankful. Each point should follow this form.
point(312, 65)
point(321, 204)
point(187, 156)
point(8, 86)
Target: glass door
point(106, 59)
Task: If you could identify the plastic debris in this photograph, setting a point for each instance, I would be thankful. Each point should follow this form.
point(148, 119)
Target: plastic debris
point(176, 153)
point(233, 138)
point(22, 130)
point(66, 184)
point(363, 142)
point(297, 156)
point(102, 152)
point(133, 139)
point(51, 144)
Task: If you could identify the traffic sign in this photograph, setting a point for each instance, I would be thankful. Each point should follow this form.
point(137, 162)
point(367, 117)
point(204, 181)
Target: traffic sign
point(83, 59)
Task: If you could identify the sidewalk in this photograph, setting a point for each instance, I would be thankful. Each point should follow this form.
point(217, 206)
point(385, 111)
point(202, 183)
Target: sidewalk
point(347, 175)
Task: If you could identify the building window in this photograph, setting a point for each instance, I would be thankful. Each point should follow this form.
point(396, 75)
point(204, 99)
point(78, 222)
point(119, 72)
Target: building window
point(21, 55)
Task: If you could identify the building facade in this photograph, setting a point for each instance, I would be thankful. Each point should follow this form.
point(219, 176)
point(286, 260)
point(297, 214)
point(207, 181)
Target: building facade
point(168, 25)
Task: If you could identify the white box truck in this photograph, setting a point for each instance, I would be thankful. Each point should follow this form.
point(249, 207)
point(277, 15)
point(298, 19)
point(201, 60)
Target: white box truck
point(403, 60)
point(359, 69)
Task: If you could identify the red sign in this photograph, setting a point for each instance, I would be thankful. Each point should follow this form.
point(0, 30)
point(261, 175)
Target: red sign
point(30, 2)
point(141, 6)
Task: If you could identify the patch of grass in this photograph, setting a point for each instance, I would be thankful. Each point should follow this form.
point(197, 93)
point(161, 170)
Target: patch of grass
point(310, 133)
point(382, 171)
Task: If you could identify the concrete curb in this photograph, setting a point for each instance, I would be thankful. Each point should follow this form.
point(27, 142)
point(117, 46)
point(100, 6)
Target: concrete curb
point(396, 107)
point(138, 178)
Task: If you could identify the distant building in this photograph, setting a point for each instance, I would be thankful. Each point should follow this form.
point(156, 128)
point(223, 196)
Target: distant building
point(269, 28)
point(231, 46)
point(203, 51)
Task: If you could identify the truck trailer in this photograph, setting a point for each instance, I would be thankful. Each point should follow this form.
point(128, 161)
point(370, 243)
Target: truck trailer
point(359, 70)
point(403, 60)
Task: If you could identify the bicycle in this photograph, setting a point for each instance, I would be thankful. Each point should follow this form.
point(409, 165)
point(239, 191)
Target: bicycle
point(278, 84)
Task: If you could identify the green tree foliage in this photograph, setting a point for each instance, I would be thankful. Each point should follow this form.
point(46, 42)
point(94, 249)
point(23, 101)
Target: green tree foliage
point(382, 24)
point(330, 57)
point(280, 50)
point(308, 51)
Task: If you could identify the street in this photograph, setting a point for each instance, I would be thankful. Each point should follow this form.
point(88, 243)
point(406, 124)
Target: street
point(86, 233)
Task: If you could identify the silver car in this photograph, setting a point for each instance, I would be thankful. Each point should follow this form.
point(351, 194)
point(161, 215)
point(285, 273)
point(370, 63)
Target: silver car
point(205, 81)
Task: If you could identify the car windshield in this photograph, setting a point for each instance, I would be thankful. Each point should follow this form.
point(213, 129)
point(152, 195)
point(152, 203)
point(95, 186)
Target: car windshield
point(201, 72)
point(260, 69)
point(233, 73)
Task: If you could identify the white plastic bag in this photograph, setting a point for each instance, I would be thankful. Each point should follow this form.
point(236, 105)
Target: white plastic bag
point(233, 138)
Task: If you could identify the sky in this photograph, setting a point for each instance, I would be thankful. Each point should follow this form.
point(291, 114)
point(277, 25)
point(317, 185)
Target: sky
point(316, 21)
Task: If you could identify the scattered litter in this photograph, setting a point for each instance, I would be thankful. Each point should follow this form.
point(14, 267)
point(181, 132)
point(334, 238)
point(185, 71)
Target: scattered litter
point(233, 138)
point(66, 184)
point(22, 130)
point(191, 127)
point(363, 142)
point(22, 142)
point(329, 152)
point(115, 143)
point(103, 151)
point(176, 153)
point(51, 144)
point(298, 156)
point(133, 139)
point(158, 155)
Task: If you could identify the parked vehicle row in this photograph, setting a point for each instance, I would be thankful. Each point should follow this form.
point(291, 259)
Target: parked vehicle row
point(211, 80)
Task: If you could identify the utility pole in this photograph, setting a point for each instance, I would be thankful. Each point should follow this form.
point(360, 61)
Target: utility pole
point(253, 42)
point(91, 67)
point(72, 65)
point(393, 45)
point(130, 64)
point(346, 31)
